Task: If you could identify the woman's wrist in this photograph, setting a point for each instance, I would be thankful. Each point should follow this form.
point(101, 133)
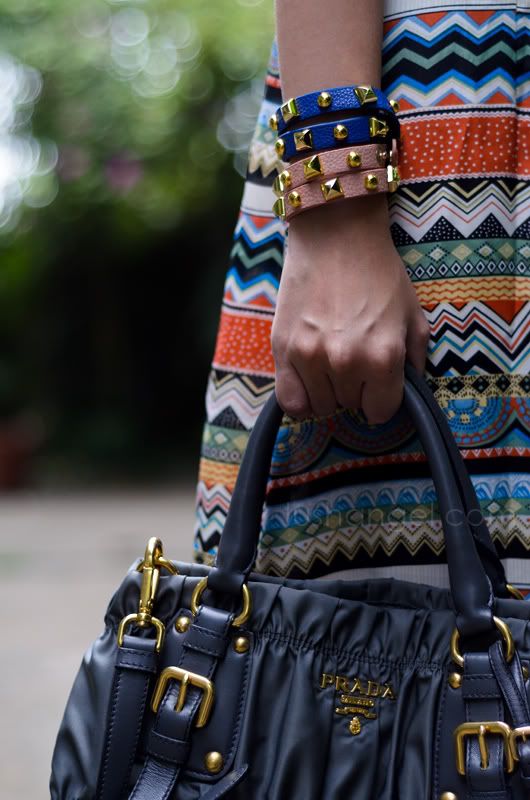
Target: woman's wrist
point(369, 212)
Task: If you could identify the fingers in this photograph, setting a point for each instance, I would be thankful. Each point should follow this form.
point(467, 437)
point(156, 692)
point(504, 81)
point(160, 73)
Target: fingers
point(382, 393)
point(290, 392)
point(417, 341)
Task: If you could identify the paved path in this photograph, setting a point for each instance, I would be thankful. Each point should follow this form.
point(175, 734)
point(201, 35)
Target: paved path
point(60, 560)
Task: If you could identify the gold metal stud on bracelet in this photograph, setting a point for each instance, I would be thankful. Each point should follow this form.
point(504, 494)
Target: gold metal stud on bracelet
point(332, 189)
point(392, 174)
point(289, 110)
point(279, 146)
point(281, 182)
point(365, 94)
point(273, 122)
point(377, 127)
point(303, 140)
point(340, 132)
point(214, 762)
point(354, 159)
point(279, 208)
point(312, 167)
point(395, 105)
point(324, 99)
point(383, 156)
point(371, 182)
point(295, 199)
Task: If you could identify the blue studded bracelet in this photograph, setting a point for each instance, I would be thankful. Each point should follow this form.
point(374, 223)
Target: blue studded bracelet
point(355, 130)
point(341, 98)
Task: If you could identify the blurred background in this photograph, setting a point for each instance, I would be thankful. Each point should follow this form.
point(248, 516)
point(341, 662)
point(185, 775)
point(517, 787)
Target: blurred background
point(124, 128)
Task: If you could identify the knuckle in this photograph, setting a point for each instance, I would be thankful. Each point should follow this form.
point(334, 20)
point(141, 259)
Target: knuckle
point(304, 349)
point(341, 357)
point(387, 358)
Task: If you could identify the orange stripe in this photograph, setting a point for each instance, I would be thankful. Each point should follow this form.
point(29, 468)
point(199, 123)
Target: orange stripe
point(243, 343)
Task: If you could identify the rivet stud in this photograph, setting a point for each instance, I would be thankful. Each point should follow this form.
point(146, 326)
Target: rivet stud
point(371, 182)
point(448, 796)
point(324, 100)
point(182, 624)
point(454, 680)
point(214, 762)
point(340, 132)
point(241, 644)
point(354, 159)
point(294, 199)
point(279, 146)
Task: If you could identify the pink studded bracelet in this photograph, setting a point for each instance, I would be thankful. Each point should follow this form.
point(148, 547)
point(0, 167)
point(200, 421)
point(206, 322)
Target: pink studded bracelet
point(344, 185)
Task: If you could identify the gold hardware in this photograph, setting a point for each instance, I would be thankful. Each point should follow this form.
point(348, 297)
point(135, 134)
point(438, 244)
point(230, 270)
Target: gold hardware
point(273, 122)
point(382, 156)
point(506, 635)
point(276, 186)
point(515, 734)
point(279, 146)
point(448, 796)
point(295, 199)
point(392, 175)
point(480, 729)
point(324, 99)
point(279, 208)
point(312, 167)
point(281, 182)
point(332, 189)
point(241, 644)
point(365, 94)
point(455, 680)
point(395, 105)
point(354, 159)
point(514, 591)
point(154, 561)
point(377, 127)
point(355, 726)
point(214, 762)
point(340, 132)
point(182, 624)
point(289, 110)
point(247, 602)
point(185, 678)
point(371, 182)
point(303, 140)
point(525, 671)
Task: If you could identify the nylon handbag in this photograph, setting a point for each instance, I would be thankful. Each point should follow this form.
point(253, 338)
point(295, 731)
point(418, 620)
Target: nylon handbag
point(214, 682)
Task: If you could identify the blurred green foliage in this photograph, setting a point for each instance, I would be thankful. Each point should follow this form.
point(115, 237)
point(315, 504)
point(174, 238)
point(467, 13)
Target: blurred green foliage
point(122, 148)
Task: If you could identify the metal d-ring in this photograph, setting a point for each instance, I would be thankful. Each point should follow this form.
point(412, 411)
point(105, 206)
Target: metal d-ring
point(245, 611)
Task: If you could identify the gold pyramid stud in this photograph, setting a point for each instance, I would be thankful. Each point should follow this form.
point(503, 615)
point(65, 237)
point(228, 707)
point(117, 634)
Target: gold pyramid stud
point(289, 110)
point(279, 146)
point(295, 199)
point(340, 132)
point(312, 167)
point(365, 94)
point(395, 105)
point(354, 159)
point(273, 122)
point(377, 127)
point(371, 182)
point(276, 187)
point(332, 189)
point(284, 180)
point(303, 140)
point(324, 99)
point(279, 208)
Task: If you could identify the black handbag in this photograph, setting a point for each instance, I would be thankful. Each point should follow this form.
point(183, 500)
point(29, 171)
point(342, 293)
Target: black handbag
point(219, 682)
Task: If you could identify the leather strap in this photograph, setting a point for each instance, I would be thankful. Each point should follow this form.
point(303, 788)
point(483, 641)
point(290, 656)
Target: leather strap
point(136, 663)
point(343, 98)
point(331, 162)
point(322, 138)
point(511, 682)
point(341, 187)
point(168, 744)
point(483, 702)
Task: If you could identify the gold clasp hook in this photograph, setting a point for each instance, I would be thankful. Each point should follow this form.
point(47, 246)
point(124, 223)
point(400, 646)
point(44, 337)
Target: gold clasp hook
point(154, 561)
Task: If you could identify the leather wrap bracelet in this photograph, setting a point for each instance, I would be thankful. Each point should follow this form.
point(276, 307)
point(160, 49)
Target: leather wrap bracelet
point(339, 98)
point(355, 130)
point(345, 185)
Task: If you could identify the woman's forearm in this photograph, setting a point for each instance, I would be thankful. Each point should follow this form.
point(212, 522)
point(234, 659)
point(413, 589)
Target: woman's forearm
point(321, 44)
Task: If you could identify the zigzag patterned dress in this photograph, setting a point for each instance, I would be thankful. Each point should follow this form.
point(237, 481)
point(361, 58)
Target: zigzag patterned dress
point(342, 495)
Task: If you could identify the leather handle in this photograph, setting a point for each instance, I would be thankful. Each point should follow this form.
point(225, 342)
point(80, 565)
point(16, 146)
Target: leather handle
point(471, 588)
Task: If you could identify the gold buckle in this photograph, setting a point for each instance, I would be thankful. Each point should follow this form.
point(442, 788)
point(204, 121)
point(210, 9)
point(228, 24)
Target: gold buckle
point(506, 635)
point(515, 592)
point(154, 561)
point(247, 602)
point(480, 729)
point(518, 733)
point(185, 678)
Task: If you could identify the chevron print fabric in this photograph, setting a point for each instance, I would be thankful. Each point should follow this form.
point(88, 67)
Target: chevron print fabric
point(357, 500)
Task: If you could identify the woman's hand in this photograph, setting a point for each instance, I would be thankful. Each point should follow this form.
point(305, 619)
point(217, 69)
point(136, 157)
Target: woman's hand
point(347, 314)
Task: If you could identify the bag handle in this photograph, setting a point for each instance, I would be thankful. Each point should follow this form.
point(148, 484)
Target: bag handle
point(471, 588)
